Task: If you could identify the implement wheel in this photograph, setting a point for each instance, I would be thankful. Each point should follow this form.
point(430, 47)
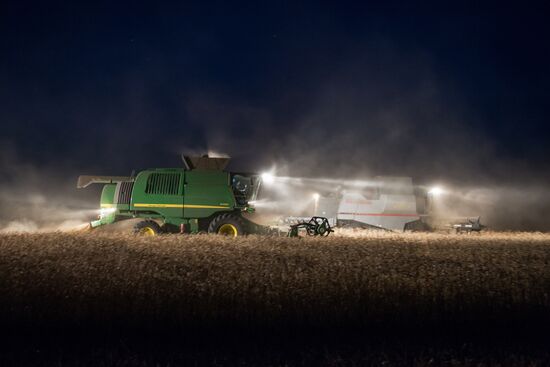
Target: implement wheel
point(227, 224)
point(147, 228)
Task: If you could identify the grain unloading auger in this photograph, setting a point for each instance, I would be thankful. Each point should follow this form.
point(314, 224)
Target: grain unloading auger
point(200, 197)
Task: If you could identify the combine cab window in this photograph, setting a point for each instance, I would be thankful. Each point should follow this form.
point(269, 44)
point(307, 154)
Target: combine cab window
point(244, 188)
point(163, 184)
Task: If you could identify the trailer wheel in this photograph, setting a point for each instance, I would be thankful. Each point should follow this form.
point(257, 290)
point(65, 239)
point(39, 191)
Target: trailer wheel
point(147, 228)
point(231, 225)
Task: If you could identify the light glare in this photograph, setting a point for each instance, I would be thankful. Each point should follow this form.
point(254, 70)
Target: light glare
point(106, 211)
point(268, 178)
point(436, 191)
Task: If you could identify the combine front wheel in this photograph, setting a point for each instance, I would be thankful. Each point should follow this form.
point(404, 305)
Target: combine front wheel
point(147, 228)
point(228, 225)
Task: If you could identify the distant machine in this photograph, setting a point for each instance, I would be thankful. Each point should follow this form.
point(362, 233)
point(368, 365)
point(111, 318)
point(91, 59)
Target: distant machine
point(389, 203)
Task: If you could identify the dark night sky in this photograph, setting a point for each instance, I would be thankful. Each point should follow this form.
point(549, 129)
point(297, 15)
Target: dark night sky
point(455, 93)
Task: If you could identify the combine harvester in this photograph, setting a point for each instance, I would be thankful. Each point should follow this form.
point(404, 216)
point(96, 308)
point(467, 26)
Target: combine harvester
point(202, 197)
point(388, 203)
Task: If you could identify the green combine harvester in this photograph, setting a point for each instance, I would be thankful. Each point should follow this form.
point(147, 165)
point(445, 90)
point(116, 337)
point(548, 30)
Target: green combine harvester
point(200, 197)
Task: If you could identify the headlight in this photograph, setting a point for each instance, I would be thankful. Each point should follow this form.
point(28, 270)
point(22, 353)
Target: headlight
point(106, 211)
point(268, 177)
point(436, 191)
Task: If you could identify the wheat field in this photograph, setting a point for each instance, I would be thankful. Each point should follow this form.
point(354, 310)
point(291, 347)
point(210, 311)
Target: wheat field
point(360, 278)
point(369, 282)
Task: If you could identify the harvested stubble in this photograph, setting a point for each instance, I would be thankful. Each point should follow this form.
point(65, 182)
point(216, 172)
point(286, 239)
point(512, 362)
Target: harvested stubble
point(373, 280)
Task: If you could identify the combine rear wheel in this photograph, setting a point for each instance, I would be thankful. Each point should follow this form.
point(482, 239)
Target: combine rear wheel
point(231, 225)
point(147, 228)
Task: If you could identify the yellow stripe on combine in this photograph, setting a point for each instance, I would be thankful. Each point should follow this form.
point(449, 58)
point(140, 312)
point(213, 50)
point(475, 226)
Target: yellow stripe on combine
point(190, 206)
point(158, 205)
point(107, 205)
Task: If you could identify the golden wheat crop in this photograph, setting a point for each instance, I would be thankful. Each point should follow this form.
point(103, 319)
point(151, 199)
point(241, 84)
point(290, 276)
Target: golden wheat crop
point(358, 278)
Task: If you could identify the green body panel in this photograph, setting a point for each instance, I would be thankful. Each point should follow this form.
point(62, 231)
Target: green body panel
point(199, 194)
point(107, 196)
point(206, 193)
point(166, 205)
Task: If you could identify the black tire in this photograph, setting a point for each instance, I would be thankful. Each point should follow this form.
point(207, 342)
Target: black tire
point(147, 228)
point(228, 224)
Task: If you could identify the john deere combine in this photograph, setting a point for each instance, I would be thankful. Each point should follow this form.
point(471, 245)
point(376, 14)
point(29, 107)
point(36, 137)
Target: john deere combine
point(200, 197)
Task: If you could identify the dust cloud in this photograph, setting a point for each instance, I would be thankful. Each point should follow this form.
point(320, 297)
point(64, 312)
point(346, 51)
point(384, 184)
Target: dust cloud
point(386, 113)
point(34, 199)
point(505, 208)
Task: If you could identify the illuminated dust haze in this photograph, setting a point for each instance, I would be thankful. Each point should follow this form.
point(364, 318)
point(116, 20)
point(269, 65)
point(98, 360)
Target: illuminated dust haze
point(319, 96)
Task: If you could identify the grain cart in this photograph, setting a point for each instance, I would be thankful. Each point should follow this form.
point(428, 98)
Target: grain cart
point(200, 197)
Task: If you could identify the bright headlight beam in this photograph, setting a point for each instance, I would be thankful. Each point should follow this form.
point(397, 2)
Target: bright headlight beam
point(436, 191)
point(106, 211)
point(268, 177)
point(316, 196)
